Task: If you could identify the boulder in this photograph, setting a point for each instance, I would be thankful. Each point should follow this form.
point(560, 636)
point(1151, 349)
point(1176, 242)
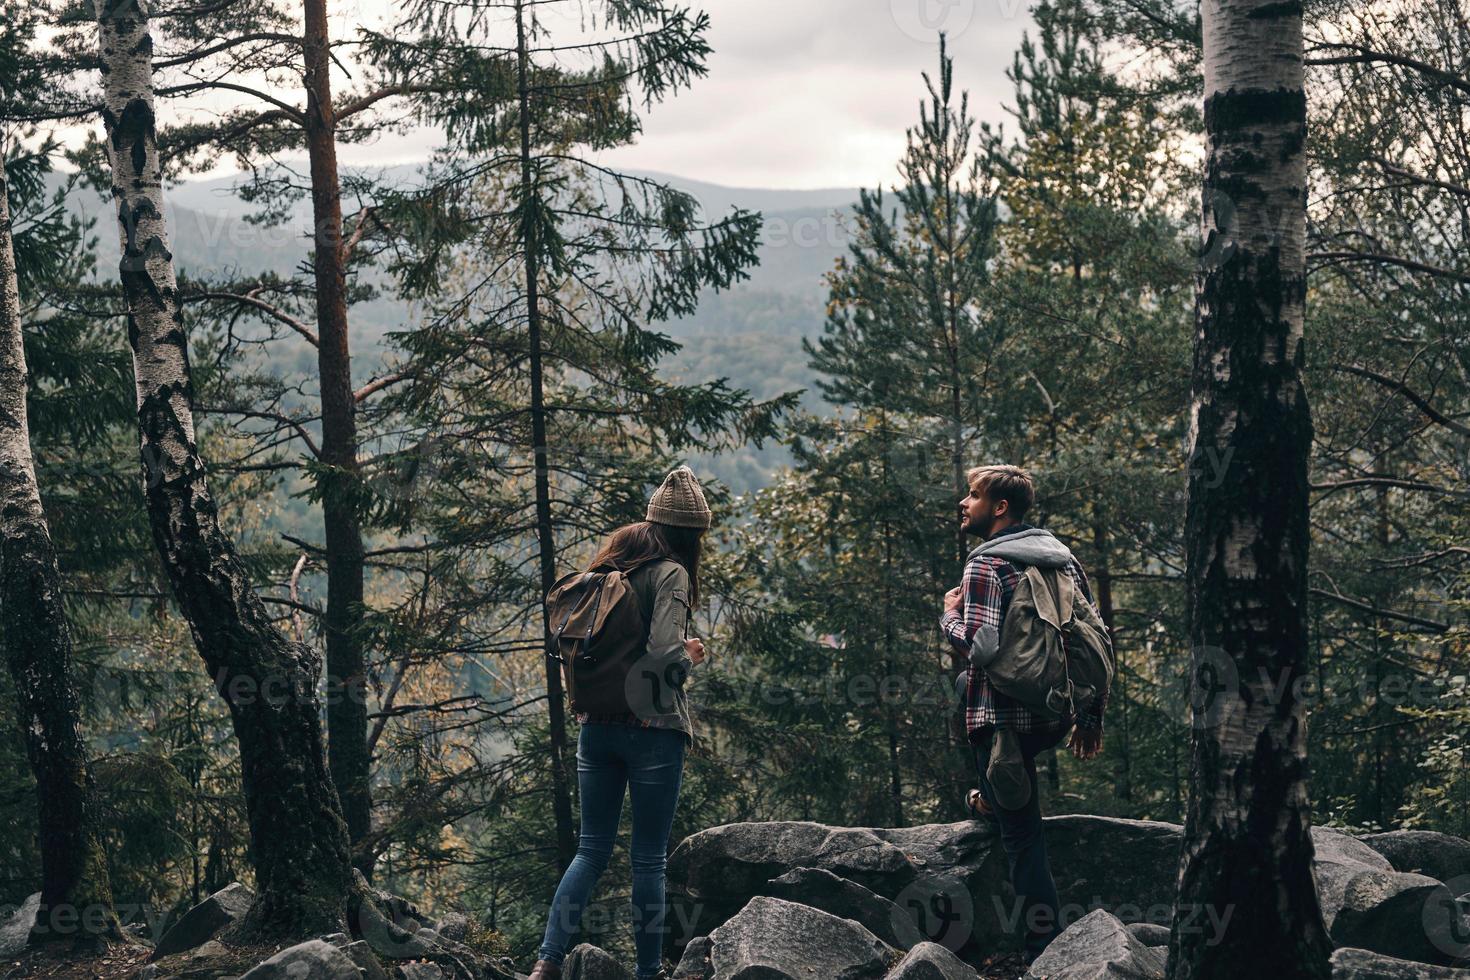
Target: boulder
point(366, 962)
point(201, 923)
point(587, 962)
point(454, 925)
point(848, 900)
point(1339, 859)
point(311, 960)
point(1407, 916)
point(15, 931)
point(1360, 964)
point(695, 965)
point(1098, 947)
point(1424, 852)
point(952, 879)
point(713, 874)
point(931, 961)
point(1149, 933)
point(416, 970)
point(778, 940)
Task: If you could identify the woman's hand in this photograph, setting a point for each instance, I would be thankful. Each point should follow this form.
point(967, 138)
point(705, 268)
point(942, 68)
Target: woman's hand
point(694, 646)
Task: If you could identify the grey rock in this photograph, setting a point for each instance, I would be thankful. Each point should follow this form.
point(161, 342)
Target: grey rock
point(845, 899)
point(362, 956)
point(1125, 866)
point(588, 962)
point(1408, 916)
point(1149, 933)
point(15, 931)
point(311, 960)
point(1424, 852)
point(205, 920)
point(416, 970)
point(338, 939)
point(1098, 946)
point(695, 965)
point(1338, 860)
point(1360, 964)
point(454, 925)
point(773, 939)
point(399, 909)
point(931, 961)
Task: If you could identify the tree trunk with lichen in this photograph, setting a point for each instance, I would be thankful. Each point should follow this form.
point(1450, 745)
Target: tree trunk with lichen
point(36, 641)
point(298, 841)
point(1247, 846)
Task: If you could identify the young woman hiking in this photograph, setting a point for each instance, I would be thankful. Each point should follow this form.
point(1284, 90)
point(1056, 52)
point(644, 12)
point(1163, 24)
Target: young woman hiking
point(641, 750)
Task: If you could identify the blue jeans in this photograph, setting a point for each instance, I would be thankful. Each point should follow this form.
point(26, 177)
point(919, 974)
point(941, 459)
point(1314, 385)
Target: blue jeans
point(1025, 846)
point(650, 763)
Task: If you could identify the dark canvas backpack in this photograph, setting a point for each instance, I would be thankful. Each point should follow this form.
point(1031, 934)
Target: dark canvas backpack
point(1054, 655)
point(599, 632)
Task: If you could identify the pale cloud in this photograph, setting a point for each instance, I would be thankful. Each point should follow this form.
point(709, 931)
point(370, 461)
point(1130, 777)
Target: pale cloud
point(804, 93)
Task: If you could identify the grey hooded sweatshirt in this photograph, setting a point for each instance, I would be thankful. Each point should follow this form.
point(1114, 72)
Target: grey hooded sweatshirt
point(1026, 546)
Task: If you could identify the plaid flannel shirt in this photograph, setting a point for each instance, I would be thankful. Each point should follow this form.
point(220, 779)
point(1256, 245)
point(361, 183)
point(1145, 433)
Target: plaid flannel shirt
point(986, 590)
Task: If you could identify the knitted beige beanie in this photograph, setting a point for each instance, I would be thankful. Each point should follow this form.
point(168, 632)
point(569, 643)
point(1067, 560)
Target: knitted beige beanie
point(679, 501)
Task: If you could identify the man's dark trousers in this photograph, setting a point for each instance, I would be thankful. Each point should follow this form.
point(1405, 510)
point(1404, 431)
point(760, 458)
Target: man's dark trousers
point(1024, 844)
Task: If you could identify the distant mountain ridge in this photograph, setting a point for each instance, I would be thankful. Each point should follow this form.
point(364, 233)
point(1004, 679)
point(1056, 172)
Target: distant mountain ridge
point(750, 334)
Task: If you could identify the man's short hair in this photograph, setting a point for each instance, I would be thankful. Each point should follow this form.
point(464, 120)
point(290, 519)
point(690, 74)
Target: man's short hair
point(1002, 482)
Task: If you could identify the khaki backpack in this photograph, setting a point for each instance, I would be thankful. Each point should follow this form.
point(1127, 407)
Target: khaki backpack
point(1054, 655)
point(599, 633)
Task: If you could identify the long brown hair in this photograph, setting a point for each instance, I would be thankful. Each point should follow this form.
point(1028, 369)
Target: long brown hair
point(634, 544)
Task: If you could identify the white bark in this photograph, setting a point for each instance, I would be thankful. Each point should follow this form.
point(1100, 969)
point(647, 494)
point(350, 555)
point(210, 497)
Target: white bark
point(16, 464)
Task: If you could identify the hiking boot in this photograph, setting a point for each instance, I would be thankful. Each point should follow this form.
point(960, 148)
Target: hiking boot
point(1006, 771)
point(546, 970)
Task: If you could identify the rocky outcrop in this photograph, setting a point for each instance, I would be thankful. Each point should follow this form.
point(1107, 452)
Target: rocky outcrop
point(311, 960)
point(1360, 964)
point(1098, 947)
point(848, 900)
point(777, 940)
point(951, 879)
point(1424, 852)
point(205, 921)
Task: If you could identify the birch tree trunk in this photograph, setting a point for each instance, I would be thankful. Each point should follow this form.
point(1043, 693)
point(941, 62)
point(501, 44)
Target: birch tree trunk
point(298, 841)
point(36, 641)
point(1247, 849)
point(347, 747)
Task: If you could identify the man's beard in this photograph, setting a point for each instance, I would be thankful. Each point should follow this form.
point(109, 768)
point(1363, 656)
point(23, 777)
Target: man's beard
point(979, 529)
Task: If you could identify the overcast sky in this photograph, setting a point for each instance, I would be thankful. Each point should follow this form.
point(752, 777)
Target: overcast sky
point(800, 93)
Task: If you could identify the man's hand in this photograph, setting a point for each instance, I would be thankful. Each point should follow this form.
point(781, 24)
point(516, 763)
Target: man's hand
point(976, 802)
point(953, 599)
point(694, 646)
point(1086, 743)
